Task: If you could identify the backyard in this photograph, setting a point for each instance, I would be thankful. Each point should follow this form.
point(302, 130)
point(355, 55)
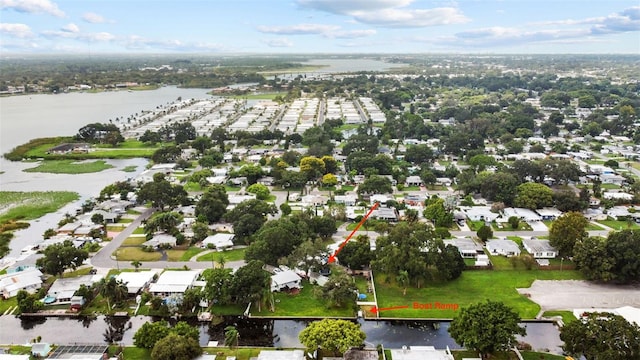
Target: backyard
point(471, 287)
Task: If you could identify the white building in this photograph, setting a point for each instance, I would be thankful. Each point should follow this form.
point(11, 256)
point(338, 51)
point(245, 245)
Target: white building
point(29, 280)
point(219, 241)
point(174, 282)
point(539, 248)
point(285, 279)
point(136, 281)
point(503, 247)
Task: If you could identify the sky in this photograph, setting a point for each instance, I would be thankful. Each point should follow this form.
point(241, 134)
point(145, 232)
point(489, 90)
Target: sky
point(319, 26)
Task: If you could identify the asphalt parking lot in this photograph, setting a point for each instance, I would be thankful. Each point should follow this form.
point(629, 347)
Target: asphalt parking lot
point(578, 294)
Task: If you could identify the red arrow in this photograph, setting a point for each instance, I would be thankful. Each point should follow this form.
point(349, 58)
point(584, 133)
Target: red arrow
point(377, 309)
point(332, 258)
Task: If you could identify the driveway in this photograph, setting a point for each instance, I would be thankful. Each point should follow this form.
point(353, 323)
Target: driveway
point(578, 294)
point(538, 226)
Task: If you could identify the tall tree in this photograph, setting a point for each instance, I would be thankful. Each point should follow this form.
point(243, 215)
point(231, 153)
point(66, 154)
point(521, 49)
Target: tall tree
point(486, 327)
point(357, 253)
point(339, 291)
point(213, 203)
point(601, 337)
point(533, 196)
point(566, 231)
point(161, 193)
point(59, 257)
point(332, 336)
point(176, 347)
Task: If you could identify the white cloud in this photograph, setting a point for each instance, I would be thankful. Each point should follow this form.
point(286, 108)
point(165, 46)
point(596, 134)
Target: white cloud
point(300, 29)
point(404, 18)
point(350, 34)
point(72, 28)
point(66, 34)
point(388, 13)
point(32, 6)
point(93, 18)
point(16, 30)
point(279, 42)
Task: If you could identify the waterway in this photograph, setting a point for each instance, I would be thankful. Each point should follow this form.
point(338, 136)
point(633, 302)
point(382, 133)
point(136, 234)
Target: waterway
point(253, 332)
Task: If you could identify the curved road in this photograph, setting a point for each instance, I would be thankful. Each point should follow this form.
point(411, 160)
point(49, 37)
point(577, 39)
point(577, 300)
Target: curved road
point(104, 258)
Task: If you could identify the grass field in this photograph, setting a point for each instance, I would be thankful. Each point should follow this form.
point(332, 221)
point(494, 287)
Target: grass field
point(70, 167)
point(260, 96)
point(134, 241)
point(619, 225)
point(32, 205)
point(191, 252)
point(567, 316)
point(303, 304)
point(471, 287)
point(229, 255)
point(136, 253)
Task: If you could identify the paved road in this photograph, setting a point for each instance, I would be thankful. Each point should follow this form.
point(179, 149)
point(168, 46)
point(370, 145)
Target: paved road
point(104, 258)
point(578, 294)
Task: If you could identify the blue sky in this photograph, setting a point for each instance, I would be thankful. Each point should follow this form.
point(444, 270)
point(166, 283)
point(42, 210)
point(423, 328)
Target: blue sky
point(319, 26)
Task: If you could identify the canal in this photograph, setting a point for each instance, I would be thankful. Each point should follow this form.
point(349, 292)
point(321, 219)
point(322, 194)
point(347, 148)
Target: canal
point(542, 336)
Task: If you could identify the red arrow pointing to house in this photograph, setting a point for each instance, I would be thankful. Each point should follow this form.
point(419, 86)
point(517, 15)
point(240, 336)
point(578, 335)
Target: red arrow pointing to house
point(376, 309)
point(332, 258)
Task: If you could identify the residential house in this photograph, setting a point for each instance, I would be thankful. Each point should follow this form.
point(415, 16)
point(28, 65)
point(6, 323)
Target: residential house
point(63, 289)
point(385, 213)
point(413, 180)
point(287, 279)
point(174, 282)
point(421, 353)
point(161, 240)
point(444, 181)
point(347, 200)
point(467, 247)
point(281, 355)
point(479, 213)
point(549, 214)
point(503, 247)
point(521, 213)
point(29, 280)
point(219, 241)
point(539, 248)
point(136, 281)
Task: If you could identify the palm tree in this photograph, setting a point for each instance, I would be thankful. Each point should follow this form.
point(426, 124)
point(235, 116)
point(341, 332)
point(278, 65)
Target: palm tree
point(136, 264)
point(113, 290)
point(403, 279)
point(222, 261)
point(231, 337)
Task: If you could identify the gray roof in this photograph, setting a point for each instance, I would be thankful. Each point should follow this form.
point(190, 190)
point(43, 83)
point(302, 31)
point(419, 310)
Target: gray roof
point(538, 245)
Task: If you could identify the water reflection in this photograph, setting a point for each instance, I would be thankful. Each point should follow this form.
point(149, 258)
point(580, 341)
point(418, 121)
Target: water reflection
point(253, 332)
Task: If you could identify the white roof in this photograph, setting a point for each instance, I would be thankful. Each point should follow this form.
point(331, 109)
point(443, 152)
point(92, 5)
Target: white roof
point(135, 280)
point(219, 240)
point(13, 357)
point(421, 353)
point(281, 355)
point(285, 277)
point(178, 277)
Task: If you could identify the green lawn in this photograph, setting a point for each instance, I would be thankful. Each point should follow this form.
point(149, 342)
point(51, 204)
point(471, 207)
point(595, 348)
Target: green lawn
point(134, 241)
point(8, 303)
point(303, 304)
point(130, 168)
point(191, 252)
point(32, 205)
point(620, 225)
point(136, 353)
point(567, 316)
point(70, 167)
point(522, 226)
point(136, 253)
point(229, 255)
point(471, 287)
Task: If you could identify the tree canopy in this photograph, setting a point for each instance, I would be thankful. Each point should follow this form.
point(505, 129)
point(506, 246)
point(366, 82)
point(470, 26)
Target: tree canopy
point(601, 336)
point(566, 231)
point(486, 327)
point(331, 335)
point(59, 257)
point(176, 347)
